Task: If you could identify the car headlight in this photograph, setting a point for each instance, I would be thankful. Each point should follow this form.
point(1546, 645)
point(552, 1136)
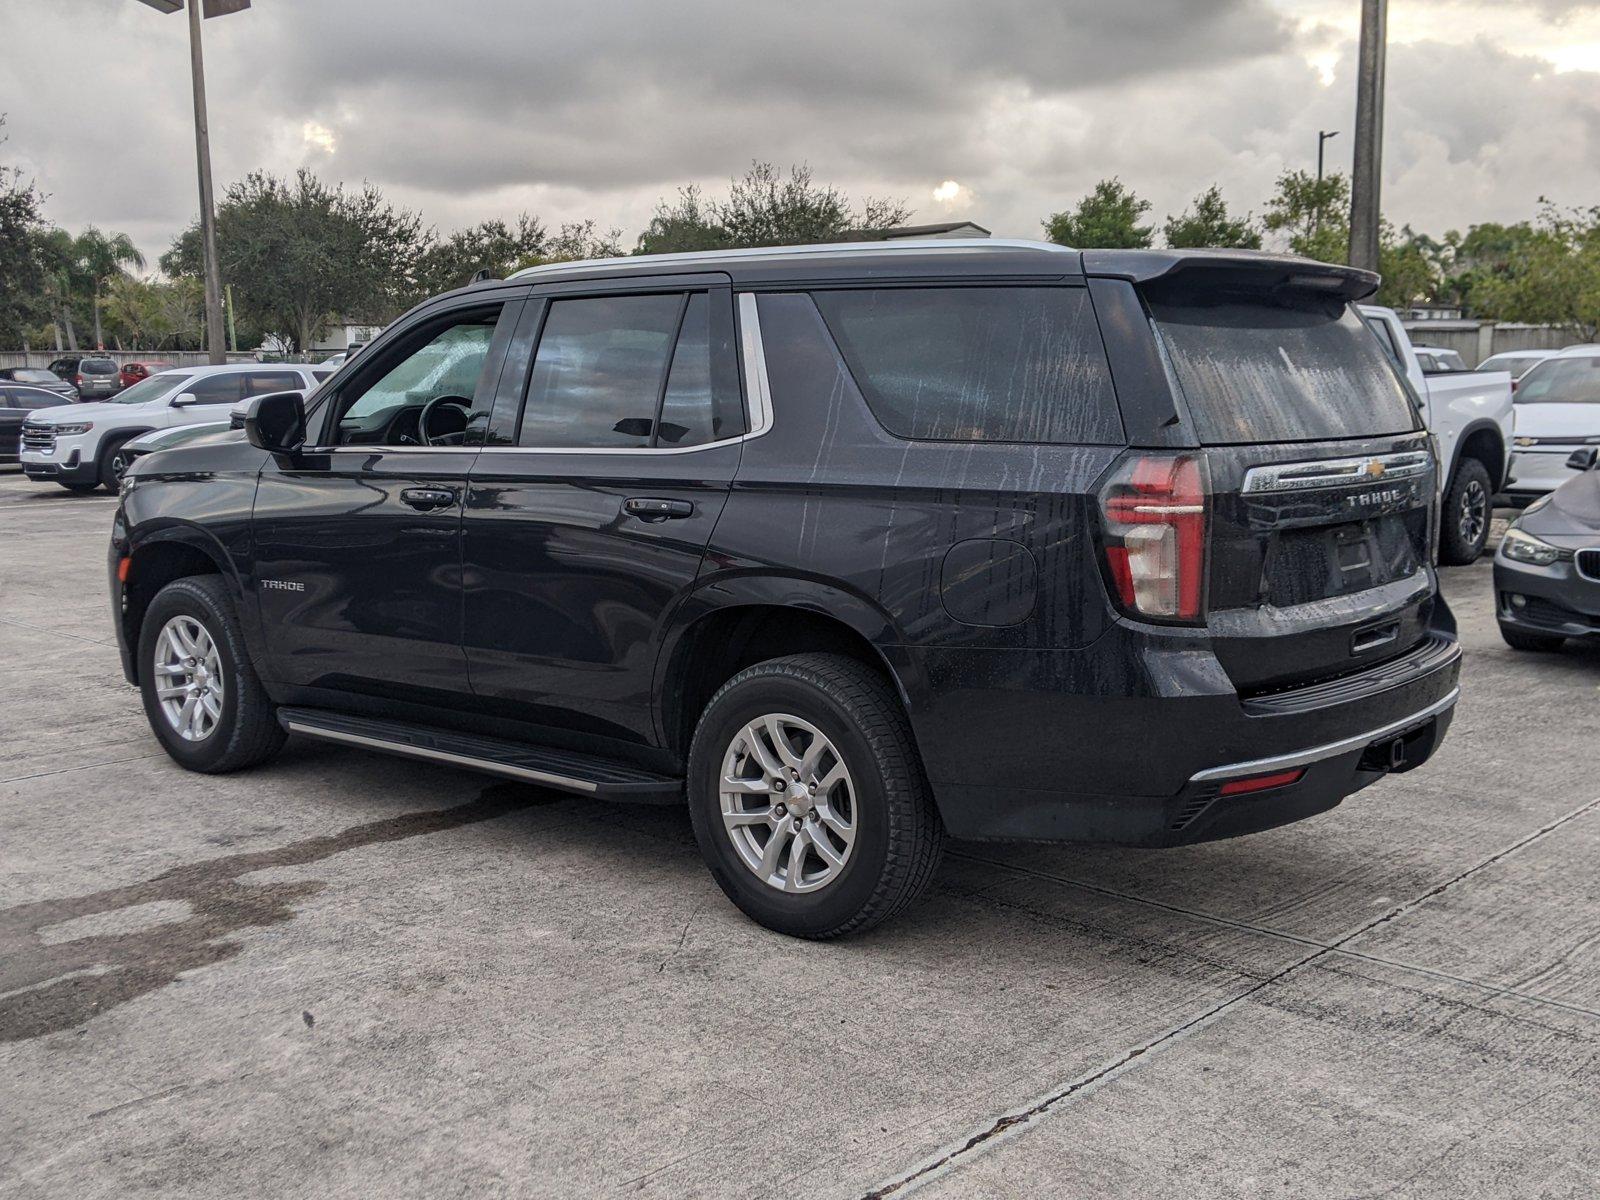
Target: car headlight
point(1525, 548)
point(75, 427)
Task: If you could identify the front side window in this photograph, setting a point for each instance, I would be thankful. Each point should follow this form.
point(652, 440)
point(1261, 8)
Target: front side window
point(991, 364)
point(428, 389)
point(600, 370)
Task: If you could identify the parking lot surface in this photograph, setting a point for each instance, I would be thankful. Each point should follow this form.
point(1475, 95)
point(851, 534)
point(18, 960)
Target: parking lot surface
point(350, 975)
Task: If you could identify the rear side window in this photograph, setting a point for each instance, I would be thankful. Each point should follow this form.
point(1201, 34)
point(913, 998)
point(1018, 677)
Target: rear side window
point(1256, 371)
point(216, 389)
point(273, 381)
point(987, 364)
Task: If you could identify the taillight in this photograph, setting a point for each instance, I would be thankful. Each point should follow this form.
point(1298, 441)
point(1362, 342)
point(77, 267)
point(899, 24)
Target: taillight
point(1153, 512)
point(80, 380)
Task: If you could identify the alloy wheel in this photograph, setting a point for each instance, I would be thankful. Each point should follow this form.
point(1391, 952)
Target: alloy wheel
point(788, 803)
point(1474, 515)
point(188, 678)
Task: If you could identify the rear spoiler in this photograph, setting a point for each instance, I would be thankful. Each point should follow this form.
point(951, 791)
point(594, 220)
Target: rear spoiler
point(1251, 269)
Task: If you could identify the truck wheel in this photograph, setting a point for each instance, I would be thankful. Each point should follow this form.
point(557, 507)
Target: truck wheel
point(1468, 509)
point(808, 797)
point(80, 488)
point(113, 464)
point(1519, 640)
point(200, 690)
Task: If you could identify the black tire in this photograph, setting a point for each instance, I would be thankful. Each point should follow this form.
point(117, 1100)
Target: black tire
point(247, 730)
point(1519, 639)
point(79, 488)
point(898, 833)
point(112, 463)
point(1466, 515)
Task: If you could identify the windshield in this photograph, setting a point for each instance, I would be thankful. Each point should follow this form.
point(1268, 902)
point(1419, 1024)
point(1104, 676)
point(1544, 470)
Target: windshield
point(148, 388)
point(1561, 381)
point(1254, 370)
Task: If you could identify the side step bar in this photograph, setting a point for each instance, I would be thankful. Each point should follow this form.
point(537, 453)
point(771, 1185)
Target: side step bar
point(565, 770)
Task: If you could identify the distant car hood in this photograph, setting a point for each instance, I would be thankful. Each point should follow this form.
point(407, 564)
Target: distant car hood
point(181, 435)
point(1558, 420)
point(1572, 511)
point(88, 412)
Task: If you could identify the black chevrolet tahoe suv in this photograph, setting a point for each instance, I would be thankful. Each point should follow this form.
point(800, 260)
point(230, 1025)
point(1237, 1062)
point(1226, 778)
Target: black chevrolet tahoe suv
point(852, 547)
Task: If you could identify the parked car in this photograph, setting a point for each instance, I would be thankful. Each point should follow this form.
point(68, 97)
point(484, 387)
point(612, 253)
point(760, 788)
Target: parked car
point(66, 366)
point(165, 439)
point(1558, 411)
point(97, 378)
point(1547, 571)
point(1470, 414)
point(1435, 361)
point(335, 360)
point(1518, 362)
point(133, 372)
point(850, 547)
point(16, 402)
point(39, 377)
point(81, 447)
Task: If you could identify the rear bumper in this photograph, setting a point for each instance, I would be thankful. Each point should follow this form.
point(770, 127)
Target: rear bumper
point(1148, 769)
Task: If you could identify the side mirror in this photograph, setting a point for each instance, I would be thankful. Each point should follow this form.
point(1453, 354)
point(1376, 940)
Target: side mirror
point(183, 400)
point(276, 422)
point(1583, 460)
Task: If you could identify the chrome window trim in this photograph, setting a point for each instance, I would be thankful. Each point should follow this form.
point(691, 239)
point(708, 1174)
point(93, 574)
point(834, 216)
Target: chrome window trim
point(1337, 472)
point(758, 409)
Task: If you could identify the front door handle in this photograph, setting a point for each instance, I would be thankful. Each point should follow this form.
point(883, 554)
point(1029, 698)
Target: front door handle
point(651, 508)
point(425, 499)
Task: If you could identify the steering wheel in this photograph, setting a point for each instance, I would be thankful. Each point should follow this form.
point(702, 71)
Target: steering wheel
point(459, 403)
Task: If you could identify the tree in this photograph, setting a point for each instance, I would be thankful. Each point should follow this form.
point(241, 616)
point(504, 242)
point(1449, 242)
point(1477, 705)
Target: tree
point(58, 257)
point(101, 258)
point(1208, 224)
point(1107, 218)
point(765, 208)
point(493, 246)
point(298, 253)
point(1551, 272)
point(579, 240)
point(1312, 214)
point(21, 265)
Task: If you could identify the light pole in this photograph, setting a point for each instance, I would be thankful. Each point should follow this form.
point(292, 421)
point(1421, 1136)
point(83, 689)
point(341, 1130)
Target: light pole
point(216, 331)
point(1324, 136)
point(1367, 172)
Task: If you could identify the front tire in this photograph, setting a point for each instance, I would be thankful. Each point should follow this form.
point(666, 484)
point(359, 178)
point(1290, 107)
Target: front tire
point(78, 488)
point(201, 694)
point(113, 464)
point(853, 836)
point(1468, 509)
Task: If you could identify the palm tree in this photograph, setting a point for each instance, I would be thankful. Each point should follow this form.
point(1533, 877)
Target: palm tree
point(102, 256)
point(58, 250)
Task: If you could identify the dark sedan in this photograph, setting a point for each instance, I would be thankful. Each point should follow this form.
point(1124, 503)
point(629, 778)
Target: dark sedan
point(39, 377)
point(16, 402)
point(1547, 570)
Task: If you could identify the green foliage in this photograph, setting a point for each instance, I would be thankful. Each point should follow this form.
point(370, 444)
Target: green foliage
point(154, 314)
point(1547, 273)
point(577, 241)
point(1107, 218)
point(493, 246)
point(298, 253)
point(1208, 224)
point(1313, 215)
point(765, 208)
point(22, 268)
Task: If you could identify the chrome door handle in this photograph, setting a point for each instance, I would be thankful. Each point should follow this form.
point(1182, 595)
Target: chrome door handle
point(423, 499)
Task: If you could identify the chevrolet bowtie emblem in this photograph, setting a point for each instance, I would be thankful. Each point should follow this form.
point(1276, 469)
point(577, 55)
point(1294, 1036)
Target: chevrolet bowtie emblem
point(1375, 470)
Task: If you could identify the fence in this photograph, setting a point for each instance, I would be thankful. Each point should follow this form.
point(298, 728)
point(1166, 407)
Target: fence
point(176, 358)
point(1477, 340)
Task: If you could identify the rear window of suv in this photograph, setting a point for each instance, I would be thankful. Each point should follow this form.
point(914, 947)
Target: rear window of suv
point(1255, 371)
point(980, 364)
point(97, 366)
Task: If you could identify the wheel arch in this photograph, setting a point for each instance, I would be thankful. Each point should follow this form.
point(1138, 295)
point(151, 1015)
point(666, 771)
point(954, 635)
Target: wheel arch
point(1484, 441)
point(729, 625)
point(160, 556)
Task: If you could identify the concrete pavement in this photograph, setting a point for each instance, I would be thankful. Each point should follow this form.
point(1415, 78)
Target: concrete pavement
point(344, 974)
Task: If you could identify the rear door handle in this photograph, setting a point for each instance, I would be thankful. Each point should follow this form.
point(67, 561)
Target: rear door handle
point(651, 508)
point(424, 499)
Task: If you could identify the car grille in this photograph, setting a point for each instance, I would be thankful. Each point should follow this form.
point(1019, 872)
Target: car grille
point(1588, 563)
point(36, 437)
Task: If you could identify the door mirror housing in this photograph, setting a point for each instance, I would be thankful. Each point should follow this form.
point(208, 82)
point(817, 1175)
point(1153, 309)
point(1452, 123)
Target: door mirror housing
point(276, 422)
point(183, 400)
point(1583, 460)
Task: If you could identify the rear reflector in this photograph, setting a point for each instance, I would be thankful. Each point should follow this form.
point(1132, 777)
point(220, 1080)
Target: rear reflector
point(1260, 783)
point(122, 570)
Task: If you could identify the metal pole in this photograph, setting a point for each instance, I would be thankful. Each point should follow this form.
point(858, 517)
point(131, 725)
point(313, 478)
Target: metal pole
point(216, 331)
point(1323, 137)
point(1366, 178)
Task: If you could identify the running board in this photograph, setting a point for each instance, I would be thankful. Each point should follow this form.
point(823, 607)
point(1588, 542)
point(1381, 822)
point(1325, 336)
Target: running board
point(565, 770)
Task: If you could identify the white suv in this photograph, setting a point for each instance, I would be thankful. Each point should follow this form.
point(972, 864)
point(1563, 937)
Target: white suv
point(79, 446)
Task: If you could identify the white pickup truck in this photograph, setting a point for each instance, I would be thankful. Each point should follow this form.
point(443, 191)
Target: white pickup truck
point(1469, 412)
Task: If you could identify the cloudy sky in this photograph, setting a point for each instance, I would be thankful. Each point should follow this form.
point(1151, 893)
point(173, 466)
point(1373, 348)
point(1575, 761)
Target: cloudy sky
point(1000, 112)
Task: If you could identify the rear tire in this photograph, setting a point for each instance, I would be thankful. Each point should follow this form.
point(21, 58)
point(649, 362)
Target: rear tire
point(881, 835)
point(1467, 513)
point(243, 729)
point(1518, 639)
